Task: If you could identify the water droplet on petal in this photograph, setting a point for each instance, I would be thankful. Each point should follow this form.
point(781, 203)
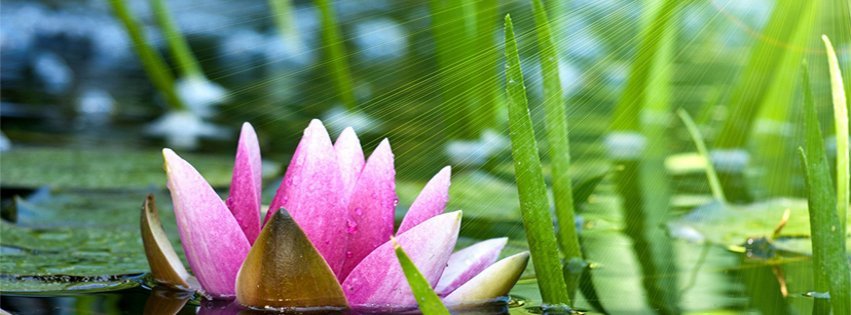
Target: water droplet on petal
point(351, 228)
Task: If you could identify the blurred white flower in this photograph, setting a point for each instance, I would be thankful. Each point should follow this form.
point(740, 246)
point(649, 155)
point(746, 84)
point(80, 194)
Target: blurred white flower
point(183, 129)
point(200, 95)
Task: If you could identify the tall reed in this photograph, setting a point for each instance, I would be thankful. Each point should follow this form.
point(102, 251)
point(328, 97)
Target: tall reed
point(830, 263)
point(335, 55)
point(153, 64)
point(534, 204)
point(557, 140)
point(186, 61)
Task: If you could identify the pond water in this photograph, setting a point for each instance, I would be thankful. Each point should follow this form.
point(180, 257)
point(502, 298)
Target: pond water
point(78, 155)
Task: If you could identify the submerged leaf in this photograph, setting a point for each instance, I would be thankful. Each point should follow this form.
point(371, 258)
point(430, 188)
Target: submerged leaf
point(166, 267)
point(427, 300)
point(493, 282)
point(284, 270)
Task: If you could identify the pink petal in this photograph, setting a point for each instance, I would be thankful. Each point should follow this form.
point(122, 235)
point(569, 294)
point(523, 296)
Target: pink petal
point(311, 192)
point(377, 281)
point(350, 158)
point(371, 208)
point(464, 264)
point(493, 282)
point(212, 239)
point(244, 197)
point(431, 201)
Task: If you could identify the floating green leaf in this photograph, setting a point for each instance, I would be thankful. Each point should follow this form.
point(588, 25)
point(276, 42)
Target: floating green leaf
point(532, 190)
point(428, 301)
point(99, 168)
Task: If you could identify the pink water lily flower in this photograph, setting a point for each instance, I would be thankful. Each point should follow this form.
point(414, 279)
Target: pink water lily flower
point(325, 240)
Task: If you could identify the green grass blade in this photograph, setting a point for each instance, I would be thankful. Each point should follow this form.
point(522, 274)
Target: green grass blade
point(428, 301)
point(335, 54)
point(628, 109)
point(534, 205)
point(557, 134)
point(457, 57)
point(284, 19)
point(486, 65)
point(697, 137)
point(840, 118)
point(176, 42)
point(152, 62)
point(557, 138)
point(830, 263)
point(771, 126)
point(760, 72)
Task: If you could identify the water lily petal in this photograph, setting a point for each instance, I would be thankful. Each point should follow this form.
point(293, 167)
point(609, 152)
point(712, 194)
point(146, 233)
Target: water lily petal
point(468, 262)
point(311, 192)
point(377, 281)
point(371, 208)
point(211, 237)
point(431, 201)
point(351, 160)
point(284, 270)
point(491, 283)
point(244, 197)
point(166, 267)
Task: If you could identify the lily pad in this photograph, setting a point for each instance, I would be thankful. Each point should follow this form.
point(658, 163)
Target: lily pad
point(734, 224)
point(79, 240)
point(100, 168)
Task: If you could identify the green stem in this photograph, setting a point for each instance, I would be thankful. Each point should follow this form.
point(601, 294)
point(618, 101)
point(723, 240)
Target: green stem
point(697, 137)
point(534, 206)
point(152, 62)
point(176, 42)
point(557, 135)
point(336, 56)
